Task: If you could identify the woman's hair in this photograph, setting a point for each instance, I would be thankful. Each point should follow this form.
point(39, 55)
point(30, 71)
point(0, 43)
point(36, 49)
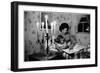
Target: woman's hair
point(63, 26)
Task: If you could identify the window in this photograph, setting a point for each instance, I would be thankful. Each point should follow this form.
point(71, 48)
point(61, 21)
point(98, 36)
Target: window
point(84, 24)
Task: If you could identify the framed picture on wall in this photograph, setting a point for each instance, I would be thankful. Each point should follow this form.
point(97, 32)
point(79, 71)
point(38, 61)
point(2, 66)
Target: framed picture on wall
point(52, 36)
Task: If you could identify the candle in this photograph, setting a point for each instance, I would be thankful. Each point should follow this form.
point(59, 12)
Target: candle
point(53, 37)
point(51, 27)
point(37, 24)
point(42, 25)
point(52, 31)
point(54, 26)
point(46, 18)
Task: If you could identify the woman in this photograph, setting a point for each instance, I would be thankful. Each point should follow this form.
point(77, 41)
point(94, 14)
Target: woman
point(64, 31)
point(62, 40)
point(64, 37)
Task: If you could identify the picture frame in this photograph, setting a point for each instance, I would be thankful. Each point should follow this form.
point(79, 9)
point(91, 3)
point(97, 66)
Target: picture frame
point(26, 16)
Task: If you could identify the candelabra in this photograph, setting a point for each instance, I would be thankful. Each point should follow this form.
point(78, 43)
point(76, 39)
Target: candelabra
point(45, 34)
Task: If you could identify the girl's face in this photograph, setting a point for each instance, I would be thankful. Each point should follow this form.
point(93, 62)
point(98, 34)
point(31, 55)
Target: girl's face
point(62, 41)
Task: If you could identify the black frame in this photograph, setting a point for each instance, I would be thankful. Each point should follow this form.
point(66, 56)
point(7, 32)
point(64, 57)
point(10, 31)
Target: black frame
point(14, 35)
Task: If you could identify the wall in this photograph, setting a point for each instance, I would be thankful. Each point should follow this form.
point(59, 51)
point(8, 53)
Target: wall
point(5, 36)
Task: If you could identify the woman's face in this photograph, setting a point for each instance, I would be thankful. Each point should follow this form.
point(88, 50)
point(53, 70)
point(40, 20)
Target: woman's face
point(64, 30)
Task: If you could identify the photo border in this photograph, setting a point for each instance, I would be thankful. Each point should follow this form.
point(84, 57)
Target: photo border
point(14, 35)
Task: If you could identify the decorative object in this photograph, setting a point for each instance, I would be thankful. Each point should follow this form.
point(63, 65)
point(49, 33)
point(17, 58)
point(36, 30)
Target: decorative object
point(52, 36)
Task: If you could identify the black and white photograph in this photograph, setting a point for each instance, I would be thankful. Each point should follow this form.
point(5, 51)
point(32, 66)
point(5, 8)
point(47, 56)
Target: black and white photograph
point(53, 36)
point(56, 36)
